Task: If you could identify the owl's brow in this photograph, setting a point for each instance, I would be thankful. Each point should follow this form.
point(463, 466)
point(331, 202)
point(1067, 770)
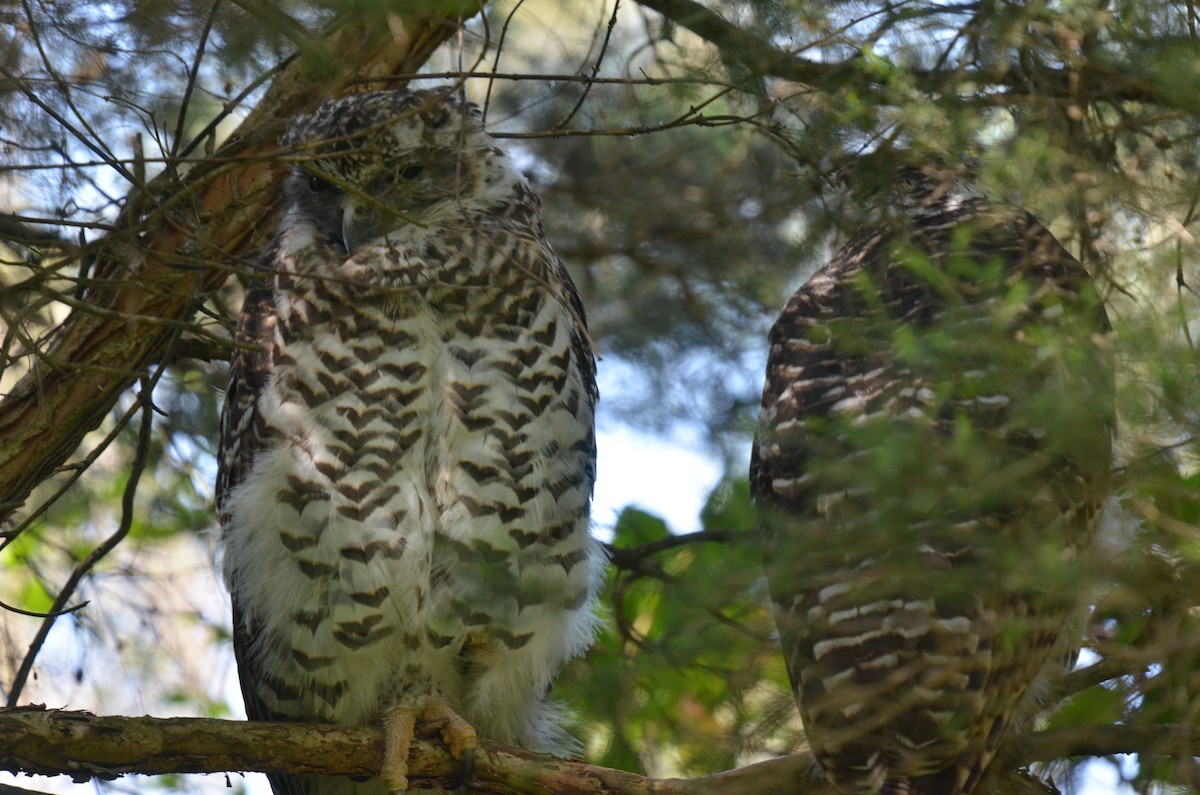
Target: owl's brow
point(349, 137)
point(309, 157)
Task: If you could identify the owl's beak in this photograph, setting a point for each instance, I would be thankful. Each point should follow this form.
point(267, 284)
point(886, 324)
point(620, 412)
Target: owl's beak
point(359, 224)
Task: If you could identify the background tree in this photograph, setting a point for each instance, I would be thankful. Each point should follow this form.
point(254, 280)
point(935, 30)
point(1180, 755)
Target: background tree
point(681, 151)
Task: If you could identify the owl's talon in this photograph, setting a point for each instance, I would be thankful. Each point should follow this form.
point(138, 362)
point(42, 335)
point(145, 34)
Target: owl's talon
point(458, 735)
point(400, 728)
point(459, 784)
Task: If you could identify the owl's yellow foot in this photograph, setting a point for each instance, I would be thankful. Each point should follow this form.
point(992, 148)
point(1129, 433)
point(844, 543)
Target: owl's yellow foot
point(399, 728)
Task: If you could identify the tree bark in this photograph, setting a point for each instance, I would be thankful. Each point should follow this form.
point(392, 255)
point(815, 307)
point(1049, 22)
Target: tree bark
point(54, 742)
point(35, 740)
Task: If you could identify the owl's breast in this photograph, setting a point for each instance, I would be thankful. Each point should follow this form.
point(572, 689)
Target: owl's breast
point(426, 484)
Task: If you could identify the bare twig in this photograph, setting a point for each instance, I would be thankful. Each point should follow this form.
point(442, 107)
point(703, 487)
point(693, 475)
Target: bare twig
point(1106, 740)
point(190, 85)
point(14, 229)
point(1092, 675)
point(42, 614)
point(587, 86)
point(101, 551)
point(632, 557)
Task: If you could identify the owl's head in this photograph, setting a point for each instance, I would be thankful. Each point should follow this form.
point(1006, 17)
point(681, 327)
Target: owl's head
point(369, 164)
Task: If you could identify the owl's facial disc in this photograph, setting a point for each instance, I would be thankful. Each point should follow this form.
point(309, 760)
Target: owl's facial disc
point(363, 193)
point(402, 193)
point(356, 217)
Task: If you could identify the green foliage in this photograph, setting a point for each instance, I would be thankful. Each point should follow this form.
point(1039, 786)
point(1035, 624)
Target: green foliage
point(681, 678)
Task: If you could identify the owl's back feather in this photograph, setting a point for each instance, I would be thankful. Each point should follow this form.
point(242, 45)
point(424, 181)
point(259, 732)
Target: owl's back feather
point(932, 455)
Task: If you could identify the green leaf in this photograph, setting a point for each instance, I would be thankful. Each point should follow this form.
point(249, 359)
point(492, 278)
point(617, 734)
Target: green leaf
point(635, 527)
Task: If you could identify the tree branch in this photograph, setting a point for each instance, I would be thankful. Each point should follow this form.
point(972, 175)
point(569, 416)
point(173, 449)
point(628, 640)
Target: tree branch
point(82, 745)
point(35, 740)
point(18, 232)
point(184, 229)
point(1166, 740)
point(634, 557)
point(1094, 81)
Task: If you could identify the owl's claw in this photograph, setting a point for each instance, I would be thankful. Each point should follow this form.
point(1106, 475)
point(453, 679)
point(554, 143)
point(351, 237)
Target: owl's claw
point(400, 727)
point(459, 784)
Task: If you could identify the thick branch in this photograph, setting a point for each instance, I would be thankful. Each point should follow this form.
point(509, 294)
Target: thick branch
point(182, 226)
point(53, 742)
point(1095, 81)
point(759, 56)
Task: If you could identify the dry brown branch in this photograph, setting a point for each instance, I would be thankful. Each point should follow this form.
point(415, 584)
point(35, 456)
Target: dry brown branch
point(35, 740)
point(82, 745)
point(215, 212)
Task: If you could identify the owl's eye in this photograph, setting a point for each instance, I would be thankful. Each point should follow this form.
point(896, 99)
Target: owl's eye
point(316, 184)
point(412, 172)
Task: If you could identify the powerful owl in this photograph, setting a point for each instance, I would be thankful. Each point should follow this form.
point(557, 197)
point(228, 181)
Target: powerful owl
point(407, 445)
point(932, 456)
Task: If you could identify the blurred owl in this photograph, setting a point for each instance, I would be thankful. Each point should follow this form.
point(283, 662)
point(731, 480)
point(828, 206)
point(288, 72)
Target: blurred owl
point(933, 452)
point(407, 450)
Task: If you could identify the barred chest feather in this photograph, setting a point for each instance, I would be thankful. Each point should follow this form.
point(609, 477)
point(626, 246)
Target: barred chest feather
point(416, 520)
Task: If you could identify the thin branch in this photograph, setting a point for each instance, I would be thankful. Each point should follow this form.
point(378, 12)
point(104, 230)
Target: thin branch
point(487, 97)
point(190, 85)
point(76, 470)
point(40, 614)
point(587, 86)
point(1095, 674)
point(209, 132)
point(101, 551)
point(15, 229)
point(1106, 740)
point(87, 136)
point(632, 557)
point(272, 17)
point(550, 77)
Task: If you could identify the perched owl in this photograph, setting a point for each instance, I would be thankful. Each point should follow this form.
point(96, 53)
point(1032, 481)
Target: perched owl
point(932, 455)
point(407, 447)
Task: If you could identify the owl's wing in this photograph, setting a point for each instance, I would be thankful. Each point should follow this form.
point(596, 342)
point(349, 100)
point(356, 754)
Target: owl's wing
point(582, 344)
point(241, 439)
point(584, 353)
